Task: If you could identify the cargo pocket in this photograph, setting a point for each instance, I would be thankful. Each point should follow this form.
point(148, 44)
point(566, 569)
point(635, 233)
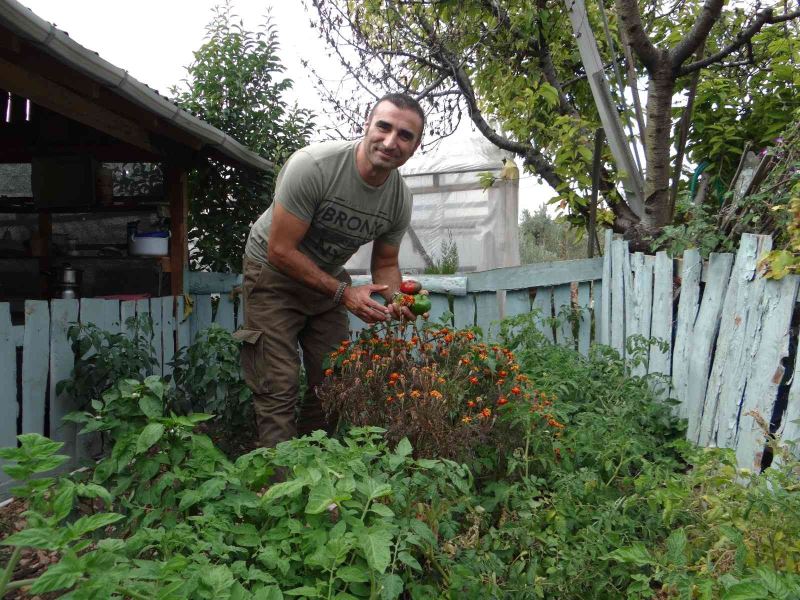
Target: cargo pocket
point(251, 359)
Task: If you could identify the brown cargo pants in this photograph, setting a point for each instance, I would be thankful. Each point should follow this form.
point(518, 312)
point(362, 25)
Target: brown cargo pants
point(281, 315)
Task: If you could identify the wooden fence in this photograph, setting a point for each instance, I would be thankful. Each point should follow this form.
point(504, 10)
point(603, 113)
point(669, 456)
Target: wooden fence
point(727, 337)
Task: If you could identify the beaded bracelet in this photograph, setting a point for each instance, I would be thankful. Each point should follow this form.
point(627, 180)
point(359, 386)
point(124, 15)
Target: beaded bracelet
point(337, 297)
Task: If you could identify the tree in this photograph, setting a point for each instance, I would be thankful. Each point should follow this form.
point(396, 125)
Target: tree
point(234, 84)
point(512, 67)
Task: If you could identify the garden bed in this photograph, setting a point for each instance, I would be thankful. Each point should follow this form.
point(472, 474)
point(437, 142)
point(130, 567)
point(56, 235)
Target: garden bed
point(462, 468)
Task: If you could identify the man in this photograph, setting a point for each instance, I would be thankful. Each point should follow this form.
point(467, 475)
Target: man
point(330, 198)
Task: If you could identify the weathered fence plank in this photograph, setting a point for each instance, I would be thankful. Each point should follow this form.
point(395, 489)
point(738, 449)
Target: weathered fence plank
point(127, 310)
point(543, 306)
point(688, 307)
point(661, 318)
point(440, 304)
point(703, 336)
point(8, 387)
point(183, 324)
point(562, 309)
point(201, 316)
point(584, 317)
point(518, 302)
point(62, 314)
point(789, 428)
point(770, 346)
point(487, 311)
point(619, 250)
point(729, 371)
point(168, 332)
point(604, 315)
point(111, 315)
point(35, 365)
point(224, 317)
point(536, 275)
point(464, 311)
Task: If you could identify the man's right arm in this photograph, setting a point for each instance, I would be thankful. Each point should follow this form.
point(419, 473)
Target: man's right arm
point(283, 252)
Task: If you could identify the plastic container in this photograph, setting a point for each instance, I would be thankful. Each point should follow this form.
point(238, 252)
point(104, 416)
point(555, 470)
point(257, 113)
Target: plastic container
point(151, 243)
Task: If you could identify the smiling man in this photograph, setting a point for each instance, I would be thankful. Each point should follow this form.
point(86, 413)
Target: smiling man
point(330, 199)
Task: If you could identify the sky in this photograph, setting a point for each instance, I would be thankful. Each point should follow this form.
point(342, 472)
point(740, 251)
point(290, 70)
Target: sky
point(154, 41)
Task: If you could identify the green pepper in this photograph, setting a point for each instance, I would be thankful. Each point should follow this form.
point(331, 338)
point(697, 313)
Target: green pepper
point(422, 304)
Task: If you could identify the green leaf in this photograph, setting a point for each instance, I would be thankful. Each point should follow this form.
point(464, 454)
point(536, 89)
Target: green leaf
point(403, 448)
point(423, 531)
point(286, 488)
point(305, 590)
point(149, 436)
point(59, 576)
point(746, 590)
point(90, 523)
point(151, 406)
point(34, 537)
point(271, 592)
point(376, 544)
point(391, 586)
point(320, 497)
point(408, 560)
point(636, 554)
point(382, 510)
point(351, 574)
point(155, 384)
point(676, 547)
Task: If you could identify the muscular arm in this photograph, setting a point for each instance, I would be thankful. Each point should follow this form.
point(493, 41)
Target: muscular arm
point(285, 235)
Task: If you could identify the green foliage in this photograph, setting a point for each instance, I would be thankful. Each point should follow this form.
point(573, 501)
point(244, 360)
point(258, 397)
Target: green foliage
point(208, 378)
point(234, 84)
point(103, 358)
point(447, 262)
point(544, 239)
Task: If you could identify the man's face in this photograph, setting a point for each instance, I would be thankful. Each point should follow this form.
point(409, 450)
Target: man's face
point(392, 135)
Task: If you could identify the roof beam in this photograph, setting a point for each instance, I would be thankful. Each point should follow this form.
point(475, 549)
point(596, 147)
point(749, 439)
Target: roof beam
point(59, 99)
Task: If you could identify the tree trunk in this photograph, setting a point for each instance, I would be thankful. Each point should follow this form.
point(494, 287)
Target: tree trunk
point(661, 86)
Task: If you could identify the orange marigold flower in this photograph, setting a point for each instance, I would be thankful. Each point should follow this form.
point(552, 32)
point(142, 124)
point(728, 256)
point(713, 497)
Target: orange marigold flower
point(328, 372)
point(467, 420)
point(514, 367)
point(470, 336)
point(515, 390)
point(415, 394)
point(345, 343)
point(502, 400)
point(501, 381)
point(486, 412)
point(400, 395)
point(369, 373)
point(376, 357)
point(441, 380)
point(345, 362)
point(394, 376)
point(502, 373)
point(473, 380)
point(471, 404)
point(436, 394)
point(448, 338)
point(389, 399)
point(483, 356)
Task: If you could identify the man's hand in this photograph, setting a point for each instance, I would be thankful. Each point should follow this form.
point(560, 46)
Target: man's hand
point(401, 312)
point(359, 302)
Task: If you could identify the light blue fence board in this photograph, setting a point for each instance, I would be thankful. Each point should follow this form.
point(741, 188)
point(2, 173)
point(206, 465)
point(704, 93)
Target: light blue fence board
point(464, 311)
point(158, 352)
point(487, 311)
point(62, 314)
point(562, 307)
point(543, 305)
point(8, 387)
point(599, 311)
point(661, 320)
point(35, 357)
point(201, 317)
point(603, 307)
point(111, 315)
point(92, 311)
point(440, 304)
point(688, 307)
point(518, 302)
point(183, 324)
point(168, 332)
point(584, 317)
point(617, 315)
point(127, 310)
point(224, 317)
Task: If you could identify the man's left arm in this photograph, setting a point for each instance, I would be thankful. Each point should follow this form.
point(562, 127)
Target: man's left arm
point(385, 269)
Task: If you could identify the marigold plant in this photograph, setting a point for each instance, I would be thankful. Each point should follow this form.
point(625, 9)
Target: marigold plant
point(446, 390)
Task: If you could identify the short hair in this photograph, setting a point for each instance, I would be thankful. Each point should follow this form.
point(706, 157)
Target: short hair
point(401, 101)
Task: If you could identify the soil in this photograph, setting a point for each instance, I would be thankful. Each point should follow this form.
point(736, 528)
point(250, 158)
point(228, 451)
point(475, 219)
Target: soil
point(33, 562)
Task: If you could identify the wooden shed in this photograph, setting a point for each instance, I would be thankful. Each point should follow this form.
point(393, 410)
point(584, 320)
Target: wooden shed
point(87, 148)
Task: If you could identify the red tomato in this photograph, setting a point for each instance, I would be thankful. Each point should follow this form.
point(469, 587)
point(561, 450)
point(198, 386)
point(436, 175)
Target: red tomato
point(409, 286)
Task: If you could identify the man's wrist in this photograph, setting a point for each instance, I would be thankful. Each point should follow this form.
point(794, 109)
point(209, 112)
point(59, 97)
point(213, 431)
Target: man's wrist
point(337, 297)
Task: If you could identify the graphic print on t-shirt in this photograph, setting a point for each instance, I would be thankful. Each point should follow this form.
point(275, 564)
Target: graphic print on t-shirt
point(338, 230)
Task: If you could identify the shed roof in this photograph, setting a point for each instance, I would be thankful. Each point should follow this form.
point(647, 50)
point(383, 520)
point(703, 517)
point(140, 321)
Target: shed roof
point(24, 23)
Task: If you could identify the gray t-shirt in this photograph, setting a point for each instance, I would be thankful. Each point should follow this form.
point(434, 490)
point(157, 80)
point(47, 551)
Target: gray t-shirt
point(320, 185)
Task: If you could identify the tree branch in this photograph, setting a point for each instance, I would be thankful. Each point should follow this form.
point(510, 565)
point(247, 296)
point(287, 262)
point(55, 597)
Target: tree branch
point(697, 35)
point(646, 51)
point(764, 17)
